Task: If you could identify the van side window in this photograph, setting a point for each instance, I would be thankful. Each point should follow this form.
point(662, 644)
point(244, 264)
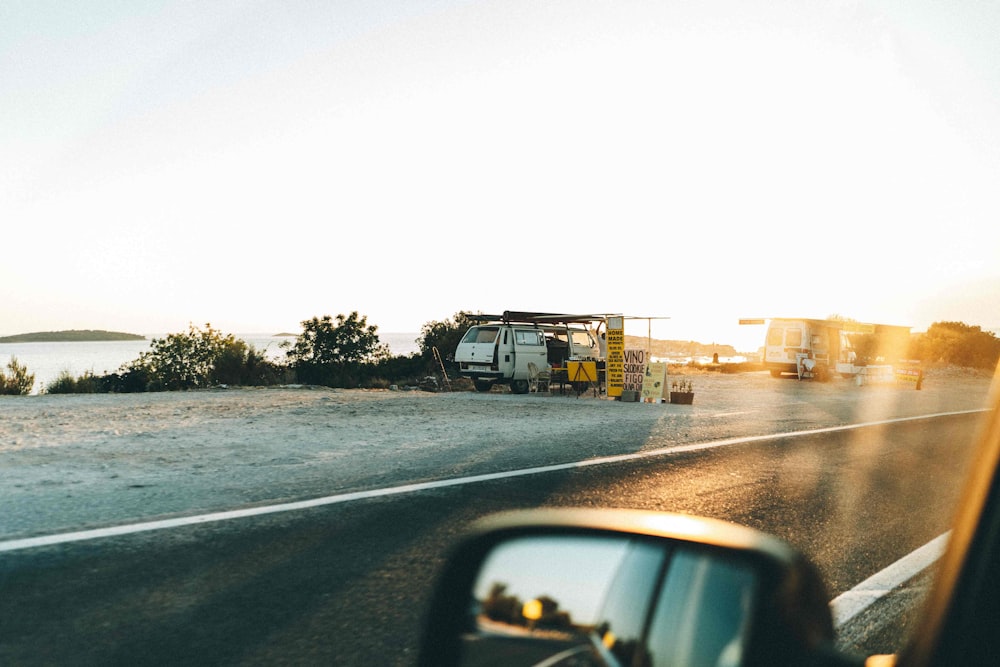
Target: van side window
point(584, 341)
point(793, 337)
point(775, 336)
point(528, 338)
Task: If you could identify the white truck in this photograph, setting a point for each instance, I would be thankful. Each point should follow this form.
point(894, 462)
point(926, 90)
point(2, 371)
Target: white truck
point(503, 348)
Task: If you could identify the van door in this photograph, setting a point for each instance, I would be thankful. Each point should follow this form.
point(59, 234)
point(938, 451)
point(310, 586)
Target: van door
point(506, 353)
point(785, 339)
point(774, 344)
point(478, 347)
point(528, 347)
point(845, 356)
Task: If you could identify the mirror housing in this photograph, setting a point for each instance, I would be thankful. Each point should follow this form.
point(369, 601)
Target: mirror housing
point(789, 621)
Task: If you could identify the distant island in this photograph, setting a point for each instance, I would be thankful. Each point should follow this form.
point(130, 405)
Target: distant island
point(71, 336)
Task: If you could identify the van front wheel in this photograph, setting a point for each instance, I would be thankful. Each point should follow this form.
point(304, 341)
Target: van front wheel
point(519, 386)
point(483, 385)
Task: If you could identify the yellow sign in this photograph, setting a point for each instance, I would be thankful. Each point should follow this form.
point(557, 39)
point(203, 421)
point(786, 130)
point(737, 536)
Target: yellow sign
point(581, 371)
point(615, 363)
point(859, 327)
point(914, 375)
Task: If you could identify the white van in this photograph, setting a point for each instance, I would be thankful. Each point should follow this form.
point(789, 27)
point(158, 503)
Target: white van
point(808, 348)
point(499, 352)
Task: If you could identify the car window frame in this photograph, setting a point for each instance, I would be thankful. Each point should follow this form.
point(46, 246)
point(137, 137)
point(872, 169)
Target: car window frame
point(957, 625)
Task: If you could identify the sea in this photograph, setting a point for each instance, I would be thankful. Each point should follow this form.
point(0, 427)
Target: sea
point(47, 361)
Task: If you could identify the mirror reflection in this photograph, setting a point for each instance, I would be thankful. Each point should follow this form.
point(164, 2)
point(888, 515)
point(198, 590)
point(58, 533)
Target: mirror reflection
point(608, 600)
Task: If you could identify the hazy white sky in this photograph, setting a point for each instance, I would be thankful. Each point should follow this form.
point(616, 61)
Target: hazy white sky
point(255, 164)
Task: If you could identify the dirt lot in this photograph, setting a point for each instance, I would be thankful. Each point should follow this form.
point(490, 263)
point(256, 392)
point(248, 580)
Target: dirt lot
point(73, 461)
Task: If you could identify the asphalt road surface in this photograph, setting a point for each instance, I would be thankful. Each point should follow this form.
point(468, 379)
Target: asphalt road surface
point(219, 578)
point(346, 583)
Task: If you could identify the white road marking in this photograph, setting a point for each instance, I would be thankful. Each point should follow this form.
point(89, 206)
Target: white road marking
point(850, 603)
point(145, 526)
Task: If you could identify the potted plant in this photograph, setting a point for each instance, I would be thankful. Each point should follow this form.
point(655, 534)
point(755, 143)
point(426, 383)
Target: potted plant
point(682, 393)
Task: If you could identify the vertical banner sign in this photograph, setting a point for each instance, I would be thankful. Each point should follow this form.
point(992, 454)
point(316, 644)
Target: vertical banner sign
point(615, 363)
point(635, 369)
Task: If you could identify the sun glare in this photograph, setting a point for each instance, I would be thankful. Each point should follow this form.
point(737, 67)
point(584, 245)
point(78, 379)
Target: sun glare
point(626, 148)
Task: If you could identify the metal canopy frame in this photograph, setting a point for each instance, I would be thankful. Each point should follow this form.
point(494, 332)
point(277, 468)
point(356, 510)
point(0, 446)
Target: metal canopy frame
point(536, 318)
point(530, 317)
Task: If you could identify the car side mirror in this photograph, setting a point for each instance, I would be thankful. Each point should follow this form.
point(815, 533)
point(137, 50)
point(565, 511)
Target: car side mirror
point(623, 587)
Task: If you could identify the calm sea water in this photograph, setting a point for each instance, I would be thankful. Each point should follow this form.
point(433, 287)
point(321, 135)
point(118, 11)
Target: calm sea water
point(48, 360)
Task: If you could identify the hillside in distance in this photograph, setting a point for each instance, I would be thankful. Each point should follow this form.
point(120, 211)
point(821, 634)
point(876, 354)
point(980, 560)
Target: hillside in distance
point(679, 348)
point(70, 336)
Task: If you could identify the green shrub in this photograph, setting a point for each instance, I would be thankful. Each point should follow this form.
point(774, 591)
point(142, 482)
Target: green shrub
point(959, 344)
point(194, 359)
point(65, 383)
point(445, 336)
point(17, 381)
point(403, 370)
point(345, 353)
point(128, 380)
point(239, 363)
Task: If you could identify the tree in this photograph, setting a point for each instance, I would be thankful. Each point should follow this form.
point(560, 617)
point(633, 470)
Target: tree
point(445, 336)
point(183, 360)
point(336, 354)
point(959, 344)
point(501, 607)
point(19, 382)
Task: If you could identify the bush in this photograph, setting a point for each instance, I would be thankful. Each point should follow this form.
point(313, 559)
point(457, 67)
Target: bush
point(195, 359)
point(342, 354)
point(183, 360)
point(401, 370)
point(239, 363)
point(87, 383)
point(18, 381)
point(444, 336)
point(959, 344)
point(128, 380)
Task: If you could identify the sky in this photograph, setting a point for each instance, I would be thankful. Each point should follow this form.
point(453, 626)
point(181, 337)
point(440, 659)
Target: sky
point(256, 164)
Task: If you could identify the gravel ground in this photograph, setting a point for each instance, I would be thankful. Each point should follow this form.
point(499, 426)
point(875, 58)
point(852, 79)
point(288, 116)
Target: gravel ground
point(76, 461)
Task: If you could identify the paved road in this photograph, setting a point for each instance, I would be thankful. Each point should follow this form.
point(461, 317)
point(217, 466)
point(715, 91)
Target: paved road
point(346, 583)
